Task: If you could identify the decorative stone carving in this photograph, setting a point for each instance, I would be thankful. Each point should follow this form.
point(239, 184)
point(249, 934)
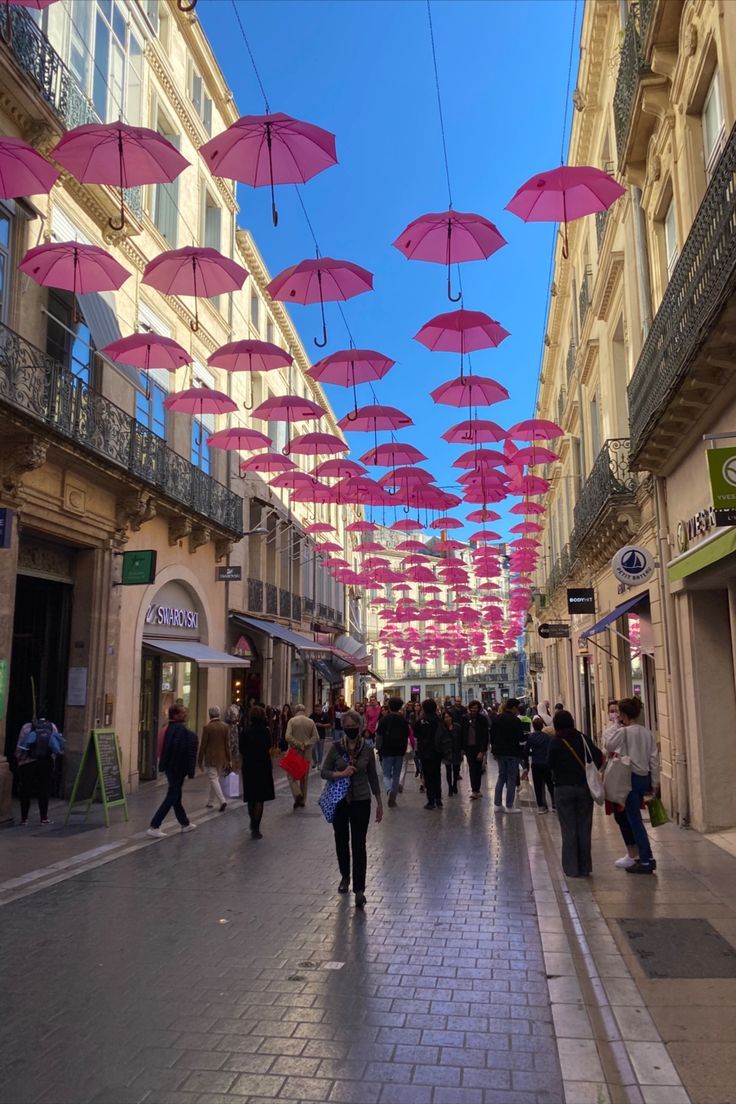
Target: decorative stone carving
point(199, 535)
point(20, 456)
point(223, 548)
point(578, 100)
point(131, 513)
point(179, 528)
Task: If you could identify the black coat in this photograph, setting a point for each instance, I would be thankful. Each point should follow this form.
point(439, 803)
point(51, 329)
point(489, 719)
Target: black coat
point(428, 738)
point(393, 735)
point(507, 736)
point(482, 729)
point(255, 757)
point(179, 751)
point(451, 740)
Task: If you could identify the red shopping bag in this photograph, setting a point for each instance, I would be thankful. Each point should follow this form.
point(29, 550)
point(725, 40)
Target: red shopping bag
point(294, 764)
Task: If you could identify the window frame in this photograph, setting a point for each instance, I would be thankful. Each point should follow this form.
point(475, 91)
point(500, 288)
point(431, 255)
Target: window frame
point(712, 155)
point(205, 109)
point(88, 75)
point(6, 264)
point(670, 220)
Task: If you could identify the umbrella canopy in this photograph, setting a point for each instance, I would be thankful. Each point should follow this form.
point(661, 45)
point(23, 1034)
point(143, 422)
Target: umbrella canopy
point(446, 523)
point(239, 438)
point(290, 480)
point(194, 270)
point(477, 430)
point(370, 419)
point(361, 527)
point(288, 408)
point(449, 545)
point(407, 525)
point(250, 356)
point(338, 469)
point(564, 194)
point(528, 485)
point(320, 280)
point(527, 527)
point(200, 400)
point(23, 171)
point(319, 527)
point(535, 429)
point(402, 477)
point(461, 331)
point(270, 149)
point(318, 443)
point(312, 492)
point(527, 507)
point(361, 491)
point(328, 546)
point(118, 154)
point(478, 457)
point(483, 536)
point(74, 267)
point(392, 453)
point(349, 367)
point(268, 462)
point(448, 238)
point(470, 391)
point(148, 351)
point(532, 457)
point(420, 575)
point(369, 546)
point(411, 546)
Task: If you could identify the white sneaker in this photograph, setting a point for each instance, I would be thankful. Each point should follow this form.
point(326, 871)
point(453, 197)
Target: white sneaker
point(513, 810)
point(189, 827)
point(156, 833)
point(498, 808)
point(625, 862)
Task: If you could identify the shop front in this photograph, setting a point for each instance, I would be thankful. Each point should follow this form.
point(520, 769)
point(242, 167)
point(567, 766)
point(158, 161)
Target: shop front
point(287, 659)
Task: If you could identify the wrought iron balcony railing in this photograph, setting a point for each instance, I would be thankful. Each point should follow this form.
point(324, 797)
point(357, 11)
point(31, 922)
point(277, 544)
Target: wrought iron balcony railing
point(703, 278)
point(42, 391)
point(296, 607)
point(309, 605)
point(284, 603)
point(584, 299)
point(601, 221)
point(272, 600)
point(631, 68)
point(39, 60)
point(255, 595)
point(572, 352)
point(610, 482)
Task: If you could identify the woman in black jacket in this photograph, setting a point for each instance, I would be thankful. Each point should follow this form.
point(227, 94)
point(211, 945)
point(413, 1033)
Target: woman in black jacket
point(257, 766)
point(452, 752)
point(429, 750)
point(567, 756)
point(475, 733)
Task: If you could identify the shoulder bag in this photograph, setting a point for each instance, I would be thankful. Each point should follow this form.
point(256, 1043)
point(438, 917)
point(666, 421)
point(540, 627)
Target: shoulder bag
point(592, 774)
point(333, 793)
point(617, 776)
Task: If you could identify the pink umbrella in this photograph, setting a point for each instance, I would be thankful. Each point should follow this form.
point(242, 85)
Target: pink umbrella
point(319, 527)
point(289, 409)
point(148, 351)
point(318, 444)
point(360, 491)
point(449, 237)
point(483, 515)
point(23, 171)
point(237, 438)
point(312, 492)
point(338, 469)
point(370, 562)
point(328, 546)
point(461, 331)
point(118, 154)
point(527, 527)
point(484, 536)
point(391, 454)
point(194, 270)
point(361, 527)
point(526, 543)
point(478, 430)
point(446, 523)
point(420, 575)
point(200, 400)
point(532, 457)
point(270, 149)
point(407, 476)
point(370, 419)
point(349, 367)
point(290, 480)
point(527, 507)
point(564, 194)
point(268, 462)
point(477, 457)
point(320, 280)
point(74, 267)
point(370, 546)
point(470, 391)
point(528, 485)
point(407, 525)
point(411, 546)
point(250, 356)
point(448, 545)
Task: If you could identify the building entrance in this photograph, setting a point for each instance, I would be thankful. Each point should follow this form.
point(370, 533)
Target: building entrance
point(164, 682)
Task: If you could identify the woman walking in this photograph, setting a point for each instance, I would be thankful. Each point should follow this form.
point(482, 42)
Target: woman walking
point(636, 741)
point(351, 757)
point(255, 757)
point(619, 811)
point(567, 755)
point(452, 751)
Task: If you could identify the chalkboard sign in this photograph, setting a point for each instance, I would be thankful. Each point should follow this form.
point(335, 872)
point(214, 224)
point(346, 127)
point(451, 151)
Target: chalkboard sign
point(100, 769)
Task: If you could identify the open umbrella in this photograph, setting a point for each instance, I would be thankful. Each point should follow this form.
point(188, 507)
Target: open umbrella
point(290, 480)
point(470, 391)
point(535, 429)
point(479, 457)
point(73, 266)
point(349, 367)
point(527, 527)
point(370, 419)
point(484, 536)
point(449, 237)
point(564, 194)
point(361, 527)
point(406, 525)
point(118, 154)
point(318, 444)
point(250, 356)
point(200, 400)
point(527, 507)
point(319, 527)
point(360, 491)
point(483, 515)
point(392, 453)
point(148, 351)
point(239, 438)
point(477, 430)
point(461, 331)
point(532, 457)
point(263, 150)
point(446, 523)
point(338, 469)
point(289, 409)
point(23, 171)
point(320, 280)
point(194, 270)
point(528, 485)
point(271, 463)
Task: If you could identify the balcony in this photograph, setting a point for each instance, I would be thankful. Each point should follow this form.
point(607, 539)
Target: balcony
point(601, 221)
point(35, 55)
point(686, 360)
point(609, 486)
point(285, 604)
point(46, 397)
point(536, 661)
point(272, 600)
point(255, 596)
point(632, 67)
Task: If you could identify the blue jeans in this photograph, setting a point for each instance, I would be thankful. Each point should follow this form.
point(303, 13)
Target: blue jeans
point(508, 771)
point(171, 801)
point(640, 784)
point(392, 765)
point(318, 751)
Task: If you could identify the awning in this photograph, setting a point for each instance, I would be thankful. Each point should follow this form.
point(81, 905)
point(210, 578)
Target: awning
point(327, 672)
point(192, 649)
point(310, 647)
point(614, 615)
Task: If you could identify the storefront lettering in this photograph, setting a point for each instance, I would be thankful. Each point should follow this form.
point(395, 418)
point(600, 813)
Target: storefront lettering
point(696, 526)
point(172, 616)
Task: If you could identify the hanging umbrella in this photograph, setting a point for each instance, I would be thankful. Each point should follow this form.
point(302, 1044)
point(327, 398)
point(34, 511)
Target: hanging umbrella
point(407, 476)
point(361, 527)
point(318, 444)
point(200, 400)
point(483, 515)
point(328, 546)
point(392, 453)
point(449, 545)
point(338, 469)
point(528, 485)
point(74, 267)
point(484, 536)
point(527, 507)
point(532, 457)
point(271, 463)
point(250, 356)
point(478, 430)
point(461, 331)
point(289, 409)
point(470, 391)
point(290, 480)
point(148, 351)
point(411, 546)
point(564, 194)
point(316, 493)
point(349, 367)
point(360, 491)
point(446, 523)
point(448, 238)
point(118, 154)
point(23, 171)
point(320, 280)
point(526, 543)
point(370, 419)
point(527, 527)
point(369, 546)
point(420, 575)
point(407, 525)
point(263, 150)
point(319, 527)
point(478, 457)
point(194, 270)
point(535, 429)
point(239, 438)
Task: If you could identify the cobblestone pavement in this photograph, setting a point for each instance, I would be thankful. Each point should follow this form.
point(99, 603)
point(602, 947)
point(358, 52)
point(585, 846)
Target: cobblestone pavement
point(210, 967)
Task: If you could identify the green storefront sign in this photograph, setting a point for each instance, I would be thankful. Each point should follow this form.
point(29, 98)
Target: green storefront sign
point(722, 472)
point(139, 568)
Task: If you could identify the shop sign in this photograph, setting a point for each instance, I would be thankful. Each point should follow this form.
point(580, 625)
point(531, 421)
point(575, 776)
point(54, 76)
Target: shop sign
point(232, 574)
point(139, 568)
point(632, 564)
point(554, 631)
point(172, 617)
point(243, 648)
point(722, 472)
point(580, 600)
point(699, 525)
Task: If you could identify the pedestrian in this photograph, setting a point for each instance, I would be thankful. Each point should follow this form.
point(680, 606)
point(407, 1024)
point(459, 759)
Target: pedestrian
point(393, 739)
point(508, 746)
point(637, 741)
point(545, 712)
point(350, 757)
point(567, 756)
point(372, 716)
point(257, 766)
point(301, 734)
point(619, 811)
point(234, 720)
point(475, 735)
point(427, 733)
point(454, 752)
point(39, 742)
point(459, 711)
point(214, 756)
point(524, 719)
point(321, 723)
point(178, 762)
point(538, 743)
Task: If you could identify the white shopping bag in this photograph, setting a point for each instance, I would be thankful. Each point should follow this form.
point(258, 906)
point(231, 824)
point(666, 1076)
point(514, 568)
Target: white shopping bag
point(231, 784)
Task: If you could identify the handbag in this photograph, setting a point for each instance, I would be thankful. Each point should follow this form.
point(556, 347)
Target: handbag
point(332, 794)
point(657, 812)
point(231, 784)
point(294, 764)
point(592, 774)
point(617, 777)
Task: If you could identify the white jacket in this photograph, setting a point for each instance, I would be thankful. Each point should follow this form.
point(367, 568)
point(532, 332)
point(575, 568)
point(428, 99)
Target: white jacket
point(639, 744)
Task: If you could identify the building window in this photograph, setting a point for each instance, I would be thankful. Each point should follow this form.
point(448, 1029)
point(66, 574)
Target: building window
point(200, 100)
point(270, 331)
point(150, 411)
point(106, 57)
point(6, 230)
point(152, 12)
point(714, 127)
point(166, 196)
point(200, 448)
point(67, 341)
point(211, 228)
point(255, 312)
point(670, 238)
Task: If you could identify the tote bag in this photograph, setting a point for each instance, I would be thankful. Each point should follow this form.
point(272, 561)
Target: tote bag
point(617, 777)
point(332, 795)
point(592, 774)
point(294, 764)
point(231, 784)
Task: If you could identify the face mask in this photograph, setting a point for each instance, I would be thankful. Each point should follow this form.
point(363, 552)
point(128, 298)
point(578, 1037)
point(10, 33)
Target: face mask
point(351, 733)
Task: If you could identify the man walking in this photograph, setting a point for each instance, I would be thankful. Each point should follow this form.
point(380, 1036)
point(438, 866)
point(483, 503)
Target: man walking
point(429, 752)
point(393, 740)
point(214, 756)
point(178, 761)
point(509, 748)
point(474, 740)
point(301, 735)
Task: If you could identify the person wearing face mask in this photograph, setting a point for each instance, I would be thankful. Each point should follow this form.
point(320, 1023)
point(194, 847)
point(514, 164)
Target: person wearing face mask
point(351, 757)
point(635, 740)
point(619, 812)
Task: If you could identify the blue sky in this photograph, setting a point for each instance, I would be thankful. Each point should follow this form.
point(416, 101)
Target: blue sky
point(363, 69)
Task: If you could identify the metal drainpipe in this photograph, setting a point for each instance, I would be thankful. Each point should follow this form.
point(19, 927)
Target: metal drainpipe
point(642, 262)
point(672, 657)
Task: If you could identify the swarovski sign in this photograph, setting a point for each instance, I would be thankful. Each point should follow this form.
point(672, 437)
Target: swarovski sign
point(632, 564)
point(179, 618)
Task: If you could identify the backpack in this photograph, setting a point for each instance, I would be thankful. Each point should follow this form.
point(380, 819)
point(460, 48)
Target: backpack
point(41, 746)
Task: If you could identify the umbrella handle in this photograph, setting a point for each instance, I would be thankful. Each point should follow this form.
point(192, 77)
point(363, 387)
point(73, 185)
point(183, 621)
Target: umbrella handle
point(186, 7)
point(450, 296)
point(194, 325)
point(321, 344)
point(111, 221)
point(274, 212)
